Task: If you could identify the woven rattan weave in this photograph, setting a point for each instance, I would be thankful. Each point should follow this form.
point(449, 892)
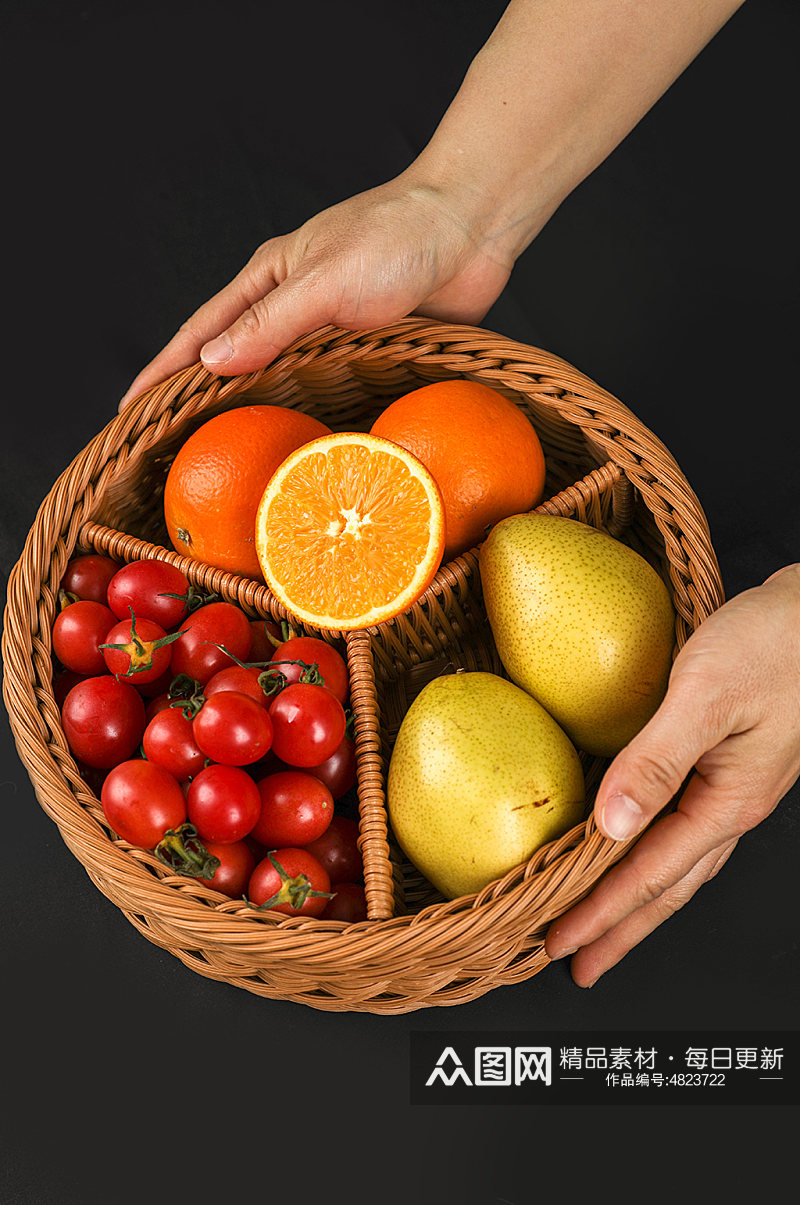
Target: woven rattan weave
point(415, 950)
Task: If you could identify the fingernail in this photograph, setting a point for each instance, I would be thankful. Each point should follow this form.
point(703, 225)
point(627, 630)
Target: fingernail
point(217, 351)
point(565, 953)
point(556, 948)
point(621, 817)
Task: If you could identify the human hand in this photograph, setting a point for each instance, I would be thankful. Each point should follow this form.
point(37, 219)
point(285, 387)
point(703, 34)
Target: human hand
point(730, 720)
point(403, 247)
point(545, 100)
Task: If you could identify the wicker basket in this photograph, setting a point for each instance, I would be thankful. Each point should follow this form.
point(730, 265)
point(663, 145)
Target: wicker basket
point(415, 950)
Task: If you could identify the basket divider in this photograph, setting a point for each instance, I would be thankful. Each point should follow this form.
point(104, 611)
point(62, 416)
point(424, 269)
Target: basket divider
point(373, 827)
point(583, 499)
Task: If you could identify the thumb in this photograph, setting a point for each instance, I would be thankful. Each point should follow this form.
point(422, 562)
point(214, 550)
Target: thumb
point(647, 774)
point(294, 308)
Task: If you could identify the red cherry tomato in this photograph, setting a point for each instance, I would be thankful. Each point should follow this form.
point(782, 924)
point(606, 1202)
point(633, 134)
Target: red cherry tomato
point(87, 577)
point(266, 636)
point(196, 652)
point(349, 903)
point(268, 765)
point(169, 742)
point(138, 649)
point(256, 848)
point(236, 863)
point(308, 724)
point(290, 880)
point(338, 772)
point(93, 777)
point(223, 804)
point(146, 588)
point(233, 729)
point(158, 686)
point(63, 682)
point(78, 632)
point(337, 850)
point(141, 801)
point(159, 703)
point(103, 721)
point(241, 678)
point(310, 651)
point(295, 808)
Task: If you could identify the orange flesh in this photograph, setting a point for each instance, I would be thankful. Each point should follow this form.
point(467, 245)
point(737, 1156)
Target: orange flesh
point(349, 531)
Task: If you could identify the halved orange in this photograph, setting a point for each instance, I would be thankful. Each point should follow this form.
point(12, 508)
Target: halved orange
point(349, 531)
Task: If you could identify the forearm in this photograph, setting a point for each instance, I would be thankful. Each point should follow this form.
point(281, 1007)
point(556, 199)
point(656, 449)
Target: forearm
point(557, 86)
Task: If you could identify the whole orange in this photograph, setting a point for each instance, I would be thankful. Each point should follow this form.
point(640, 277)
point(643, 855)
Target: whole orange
point(479, 447)
point(215, 482)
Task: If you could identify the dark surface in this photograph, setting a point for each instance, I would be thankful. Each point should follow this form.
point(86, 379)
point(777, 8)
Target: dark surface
point(147, 152)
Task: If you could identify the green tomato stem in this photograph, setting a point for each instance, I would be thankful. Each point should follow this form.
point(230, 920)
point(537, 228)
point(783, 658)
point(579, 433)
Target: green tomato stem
point(140, 652)
point(293, 891)
point(182, 851)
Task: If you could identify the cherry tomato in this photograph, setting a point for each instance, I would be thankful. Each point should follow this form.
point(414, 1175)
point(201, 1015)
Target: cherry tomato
point(87, 577)
point(268, 765)
point(145, 587)
point(349, 903)
point(78, 632)
point(93, 777)
point(311, 651)
point(337, 850)
point(103, 721)
point(295, 808)
point(256, 848)
point(169, 742)
point(262, 647)
point(141, 801)
point(308, 724)
point(197, 654)
point(223, 804)
point(158, 686)
point(241, 678)
point(233, 729)
point(63, 682)
point(290, 880)
point(236, 863)
point(338, 772)
point(138, 649)
point(159, 703)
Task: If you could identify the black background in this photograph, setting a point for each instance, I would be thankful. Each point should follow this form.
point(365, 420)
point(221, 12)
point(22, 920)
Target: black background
point(148, 149)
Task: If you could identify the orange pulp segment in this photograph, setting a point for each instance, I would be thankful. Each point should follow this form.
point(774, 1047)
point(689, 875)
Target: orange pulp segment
point(349, 531)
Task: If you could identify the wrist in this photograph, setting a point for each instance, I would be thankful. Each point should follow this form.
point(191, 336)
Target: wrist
point(494, 160)
point(492, 213)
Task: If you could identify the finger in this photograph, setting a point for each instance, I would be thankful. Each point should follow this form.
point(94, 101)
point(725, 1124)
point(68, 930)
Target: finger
point(639, 783)
point(672, 847)
point(593, 960)
point(297, 306)
point(649, 771)
point(215, 316)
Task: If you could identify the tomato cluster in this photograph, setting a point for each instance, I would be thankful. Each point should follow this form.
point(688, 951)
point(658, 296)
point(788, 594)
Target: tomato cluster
point(218, 741)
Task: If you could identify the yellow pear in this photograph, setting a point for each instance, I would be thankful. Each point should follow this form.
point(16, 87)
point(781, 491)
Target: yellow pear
point(582, 622)
point(480, 777)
